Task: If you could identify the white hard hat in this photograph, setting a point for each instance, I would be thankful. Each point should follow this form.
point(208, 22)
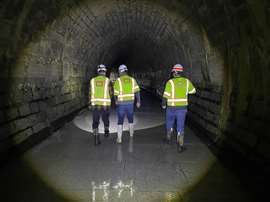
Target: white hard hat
point(101, 68)
point(122, 68)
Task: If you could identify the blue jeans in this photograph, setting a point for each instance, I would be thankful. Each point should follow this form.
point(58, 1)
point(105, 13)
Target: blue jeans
point(125, 109)
point(174, 113)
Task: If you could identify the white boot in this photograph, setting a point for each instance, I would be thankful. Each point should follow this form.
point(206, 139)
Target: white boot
point(180, 142)
point(131, 129)
point(180, 138)
point(119, 133)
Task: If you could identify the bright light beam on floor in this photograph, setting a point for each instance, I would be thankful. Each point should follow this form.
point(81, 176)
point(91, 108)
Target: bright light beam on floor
point(142, 120)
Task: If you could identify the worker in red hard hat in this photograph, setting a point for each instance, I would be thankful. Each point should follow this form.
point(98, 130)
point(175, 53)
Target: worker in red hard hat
point(175, 101)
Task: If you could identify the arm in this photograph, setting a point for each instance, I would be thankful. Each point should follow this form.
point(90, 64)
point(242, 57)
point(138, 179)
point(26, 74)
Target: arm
point(138, 99)
point(90, 93)
point(191, 88)
point(116, 91)
point(111, 89)
point(166, 95)
point(137, 93)
point(164, 103)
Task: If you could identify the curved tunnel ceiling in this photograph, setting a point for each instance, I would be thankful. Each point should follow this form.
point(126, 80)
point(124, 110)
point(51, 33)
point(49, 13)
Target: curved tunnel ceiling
point(145, 36)
point(50, 80)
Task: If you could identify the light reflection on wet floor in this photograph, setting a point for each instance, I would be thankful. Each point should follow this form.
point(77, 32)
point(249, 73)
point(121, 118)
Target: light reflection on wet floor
point(140, 169)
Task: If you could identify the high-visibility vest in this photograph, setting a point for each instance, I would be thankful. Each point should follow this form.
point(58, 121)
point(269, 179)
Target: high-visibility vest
point(100, 94)
point(125, 87)
point(177, 90)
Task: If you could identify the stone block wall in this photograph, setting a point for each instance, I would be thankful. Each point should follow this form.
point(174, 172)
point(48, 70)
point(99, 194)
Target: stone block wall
point(240, 31)
point(204, 111)
point(35, 106)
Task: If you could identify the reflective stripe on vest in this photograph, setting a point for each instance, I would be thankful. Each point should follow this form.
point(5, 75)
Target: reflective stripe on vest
point(193, 91)
point(126, 95)
point(174, 99)
point(166, 93)
point(173, 92)
point(105, 99)
point(177, 100)
point(105, 91)
point(93, 89)
point(121, 90)
point(187, 87)
point(101, 100)
point(133, 85)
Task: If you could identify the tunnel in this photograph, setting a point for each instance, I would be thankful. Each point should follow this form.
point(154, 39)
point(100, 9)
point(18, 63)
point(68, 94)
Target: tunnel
point(50, 50)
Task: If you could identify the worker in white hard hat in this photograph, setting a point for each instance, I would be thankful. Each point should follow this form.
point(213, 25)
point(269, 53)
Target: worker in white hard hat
point(100, 101)
point(126, 92)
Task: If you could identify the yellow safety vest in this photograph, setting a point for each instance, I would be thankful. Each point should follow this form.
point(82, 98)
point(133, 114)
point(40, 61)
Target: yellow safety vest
point(177, 90)
point(100, 94)
point(125, 87)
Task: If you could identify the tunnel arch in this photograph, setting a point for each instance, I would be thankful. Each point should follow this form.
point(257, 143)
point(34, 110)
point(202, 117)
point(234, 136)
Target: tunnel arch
point(154, 25)
point(233, 36)
point(153, 37)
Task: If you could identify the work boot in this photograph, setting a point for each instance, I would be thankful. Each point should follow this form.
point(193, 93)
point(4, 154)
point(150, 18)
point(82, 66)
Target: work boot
point(180, 142)
point(106, 132)
point(119, 134)
point(96, 137)
point(168, 139)
point(131, 129)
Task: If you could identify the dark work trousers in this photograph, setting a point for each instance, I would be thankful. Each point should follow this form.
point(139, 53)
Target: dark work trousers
point(103, 112)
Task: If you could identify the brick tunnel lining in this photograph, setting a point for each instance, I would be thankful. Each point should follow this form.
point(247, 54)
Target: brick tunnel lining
point(51, 75)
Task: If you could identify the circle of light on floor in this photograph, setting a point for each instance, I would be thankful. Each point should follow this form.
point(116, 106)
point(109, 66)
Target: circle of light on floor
point(142, 120)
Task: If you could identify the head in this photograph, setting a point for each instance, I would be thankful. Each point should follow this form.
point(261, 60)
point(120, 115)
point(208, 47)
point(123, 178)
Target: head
point(122, 69)
point(177, 70)
point(101, 69)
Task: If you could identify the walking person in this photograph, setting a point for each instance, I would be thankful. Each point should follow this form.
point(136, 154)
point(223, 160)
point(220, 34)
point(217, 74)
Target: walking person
point(100, 101)
point(175, 101)
point(126, 91)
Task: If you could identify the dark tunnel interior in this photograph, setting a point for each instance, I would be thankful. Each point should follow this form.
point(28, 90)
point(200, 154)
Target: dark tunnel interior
point(49, 51)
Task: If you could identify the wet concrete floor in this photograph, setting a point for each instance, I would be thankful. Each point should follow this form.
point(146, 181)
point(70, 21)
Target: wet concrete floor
point(68, 167)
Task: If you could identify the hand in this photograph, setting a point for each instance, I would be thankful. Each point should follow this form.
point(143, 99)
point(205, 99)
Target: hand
point(163, 106)
point(138, 104)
